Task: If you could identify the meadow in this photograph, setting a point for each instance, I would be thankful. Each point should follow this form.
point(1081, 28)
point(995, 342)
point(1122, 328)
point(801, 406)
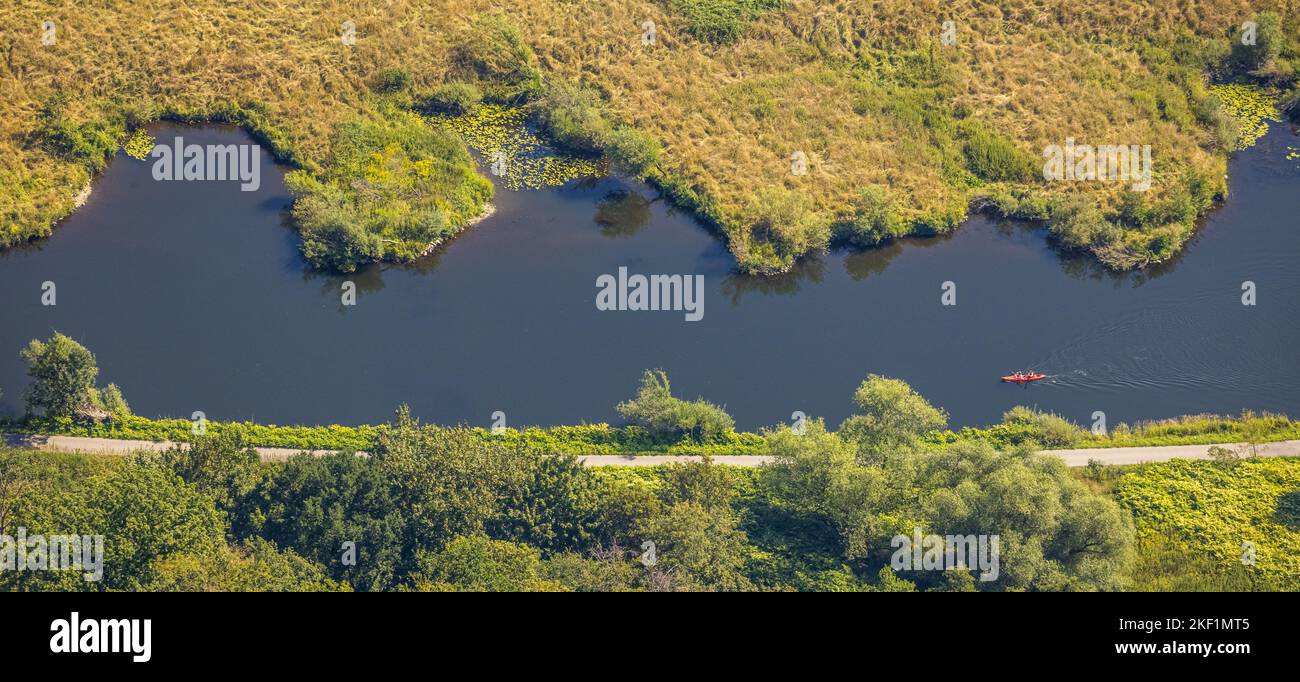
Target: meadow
point(900, 132)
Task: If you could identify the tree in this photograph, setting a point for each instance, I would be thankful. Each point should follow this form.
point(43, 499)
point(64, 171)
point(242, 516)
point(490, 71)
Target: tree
point(228, 470)
point(698, 547)
point(894, 418)
point(314, 505)
point(481, 564)
point(1053, 534)
point(63, 376)
point(555, 507)
point(448, 481)
point(1268, 44)
point(254, 566)
point(145, 514)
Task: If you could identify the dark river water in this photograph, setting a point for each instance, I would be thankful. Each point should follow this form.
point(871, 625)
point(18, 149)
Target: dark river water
point(194, 297)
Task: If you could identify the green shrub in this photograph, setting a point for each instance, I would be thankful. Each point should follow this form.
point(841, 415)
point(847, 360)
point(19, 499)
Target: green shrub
point(88, 143)
point(666, 417)
point(573, 117)
point(492, 54)
point(1078, 222)
point(1043, 428)
point(454, 99)
point(633, 152)
point(875, 218)
point(779, 226)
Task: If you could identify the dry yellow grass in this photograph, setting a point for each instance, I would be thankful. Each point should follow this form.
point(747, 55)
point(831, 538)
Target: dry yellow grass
point(815, 76)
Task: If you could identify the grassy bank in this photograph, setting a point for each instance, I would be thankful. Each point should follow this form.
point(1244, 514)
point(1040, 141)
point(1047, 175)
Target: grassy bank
point(902, 132)
point(602, 439)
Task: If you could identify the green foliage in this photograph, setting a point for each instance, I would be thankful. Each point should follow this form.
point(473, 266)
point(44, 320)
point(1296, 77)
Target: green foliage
point(314, 505)
point(145, 514)
point(994, 157)
point(111, 400)
point(254, 566)
point(894, 418)
point(225, 468)
point(1077, 222)
point(454, 99)
point(492, 54)
point(182, 430)
point(665, 416)
point(573, 117)
point(1211, 509)
point(1269, 40)
point(481, 564)
point(90, 143)
point(63, 376)
point(721, 21)
point(698, 547)
point(395, 187)
point(1021, 425)
point(1054, 534)
point(875, 218)
point(779, 225)
point(633, 152)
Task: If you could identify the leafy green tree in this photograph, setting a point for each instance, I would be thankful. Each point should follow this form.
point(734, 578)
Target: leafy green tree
point(607, 570)
point(313, 505)
point(145, 513)
point(703, 483)
point(1053, 533)
point(699, 548)
point(481, 564)
point(448, 481)
point(893, 418)
point(554, 509)
point(229, 470)
point(111, 401)
point(63, 376)
point(254, 566)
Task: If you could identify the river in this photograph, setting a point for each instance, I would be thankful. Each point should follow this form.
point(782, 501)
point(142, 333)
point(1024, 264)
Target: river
point(194, 297)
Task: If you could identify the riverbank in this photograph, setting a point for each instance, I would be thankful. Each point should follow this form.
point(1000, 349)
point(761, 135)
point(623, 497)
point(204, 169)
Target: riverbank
point(1186, 437)
point(772, 154)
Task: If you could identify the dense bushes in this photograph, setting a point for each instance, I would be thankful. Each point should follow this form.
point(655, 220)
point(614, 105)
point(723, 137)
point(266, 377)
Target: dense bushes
point(1054, 535)
point(777, 227)
point(670, 418)
point(1212, 509)
point(394, 187)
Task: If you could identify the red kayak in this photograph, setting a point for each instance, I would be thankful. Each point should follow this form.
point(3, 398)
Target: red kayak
point(1024, 377)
